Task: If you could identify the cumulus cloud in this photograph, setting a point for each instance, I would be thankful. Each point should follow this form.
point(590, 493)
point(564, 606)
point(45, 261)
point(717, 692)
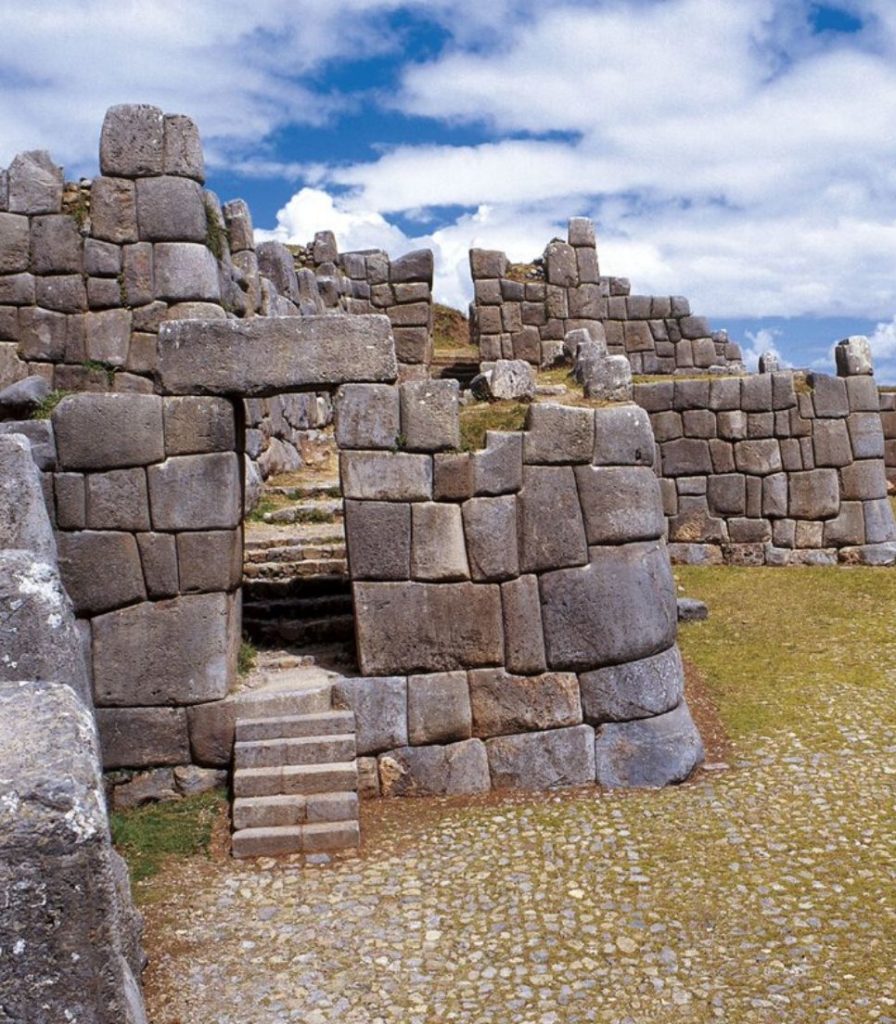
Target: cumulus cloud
point(883, 341)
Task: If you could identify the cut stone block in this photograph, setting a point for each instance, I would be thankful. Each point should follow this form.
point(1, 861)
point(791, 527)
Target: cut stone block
point(491, 533)
point(830, 443)
point(182, 149)
point(386, 476)
point(523, 634)
point(117, 500)
point(367, 416)
point(427, 627)
point(863, 479)
point(458, 768)
point(264, 356)
point(542, 760)
point(853, 356)
point(56, 245)
point(620, 503)
point(429, 415)
point(558, 433)
point(438, 551)
point(100, 570)
point(209, 560)
point(170, 209)
point(636, 689)
point(158, 553)
point(379, 539)
point(108, 336)
point(142, 737)
point(814, 494)
point(498, 469)
point(167, 652)
point(452, 476)
point(758, 457)
point(108, 431)
point(380, 706)
point(438, 708)
point(196, 426)
point(622, 437)
point(865, 433)
point(35, 183)
point(186, 272)
point(113, 210)
point(620, 607)
point(503, 703)
point(190, 492)
point(551, 529)
point(650, 752)
point(23, 516)
point(829, 396)
point(132, 141)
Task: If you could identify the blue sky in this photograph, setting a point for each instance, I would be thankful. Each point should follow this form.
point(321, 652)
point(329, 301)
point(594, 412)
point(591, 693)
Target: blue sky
point(740, 153)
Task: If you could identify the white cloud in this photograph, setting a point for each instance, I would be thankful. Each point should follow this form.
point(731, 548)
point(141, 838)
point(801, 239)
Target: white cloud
point(883, 341)
point(758, 343)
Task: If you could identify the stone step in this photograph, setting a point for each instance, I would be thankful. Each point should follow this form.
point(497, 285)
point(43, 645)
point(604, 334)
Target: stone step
point(293, 750)
point(283, 699)
point(311, 567)
point(295, 553)
point(323, 487)
point(312, 587)
point(279, 811)
point(329, 723)
point(321, 511)
point(279, 840)
point(295, 632)
point(298, 607)
point(292, 779)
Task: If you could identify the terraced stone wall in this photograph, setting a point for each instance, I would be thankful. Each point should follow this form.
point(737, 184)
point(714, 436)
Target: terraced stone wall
point(515, 610)
point(525, 312)
point(775, 469)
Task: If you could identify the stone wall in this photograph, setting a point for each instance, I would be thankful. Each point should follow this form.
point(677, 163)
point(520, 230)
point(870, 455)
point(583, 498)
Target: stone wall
point(888, 421)
point(515, 610)
point(69, 933)
point(525, 312)
point(772, 468)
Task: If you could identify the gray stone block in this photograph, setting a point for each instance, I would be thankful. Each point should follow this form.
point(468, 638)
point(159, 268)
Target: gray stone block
point(191, 492)
point(138, 282)
point(726, 494)
point(170, 209)
point(367, 416)
point(853, 356)
point(438, 551)
point(182, 148)
point(71, 502)
point(158, 555)
point(35, 183)
point(774, 496)
point(38, 635)
point(830, 442)
point(195, 426)
point(498, 469)
point(132, 141)
point(238, 219)
point(452, 770)
point(142, 737)
point(24, 523)
point(40, 437)
point(503, 703)
point(558, 433)
point(636, 689)
point(620, 607)
point(117, 500)
point(758, 457)
point(438, 708)
point(113, 210)
point(56, 245)
point(879, 525)
point(649, 752)
point(386, 476)
point(427, 627)
point(185, 272)
point(15, 290)
point(580, 231)
point(523, 634)
point(100, 570)
point(108, 336)
point(166, 652)
point(620, 503)
point(487, 263)
point(380, 705)
point(379, 539)
point(561, 267)
point(686, 457)
point(863, 480)
point(657, 397)
point(209, 560)
point(452, 476)
point(848, 527)
point(65, 293)
point(814, 494)
point(622, 437)
point(490, 528)
point(108, 431)
point(413, 266)
point(829, 397)
point(551, 529)
point(865, 433)
point(863, 394)
point(264, 356)
point(542, 760)
point(429, 415)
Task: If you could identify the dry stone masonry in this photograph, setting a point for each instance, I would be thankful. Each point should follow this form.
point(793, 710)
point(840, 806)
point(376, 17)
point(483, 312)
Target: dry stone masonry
point(526, 312)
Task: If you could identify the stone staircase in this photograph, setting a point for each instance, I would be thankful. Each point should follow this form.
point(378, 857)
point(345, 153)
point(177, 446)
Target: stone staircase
point(295, 777)
point(461, 365)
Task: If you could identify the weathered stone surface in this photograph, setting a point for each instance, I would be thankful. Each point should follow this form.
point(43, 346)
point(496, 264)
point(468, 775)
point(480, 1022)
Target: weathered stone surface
point(853, 356)
point(523, 634)
point(551, 529)
point(848, 527)
point(503, 703)
point(150, 787)
point(452, 476)
point(622, 437)
point(863, 395)
point(649, 752)
point(429, 415)
point(158, 554)
point(558, 433)
point(879, 525)
point(726, 494)
point(42, 334)
point(491, 534)
point(14, 243)
point(117, 500)
point(620, 607)
point(182, 148)
point(620, 503)
point(542, 760)
point(814, 494)
point(186, 272)
point(427, 627)
point(379, 539)
point(15, 290)
point(438, 551)
point(23, 516)
point(40, 437)
point(132, 140)
point(452, 770)
point(413, 266)
point(100, 570)
point(113, 210)
point(35, 183)
point(38, 636)
point(380, 705)
point(238, 219)
point(757, 457)
point(830, 443)
point(187, 492)
point(511, 379)
point(367, 416)
point(168, 652)
point(636, 689)
point(487, 263)
point(170, 209)
point(142, 737)
point(498, 469)
point(438, 708)
point(55, 245)
point(690, 609)
point(863, 479)
point(580, 231)
point(386, 476)
point(108, 431)
point(209, 560)
point(69, 932)
point(686, 457)
point(829, 396)
point(560, 264)
point(264, 356)
point(196, 426)
point(865, 433)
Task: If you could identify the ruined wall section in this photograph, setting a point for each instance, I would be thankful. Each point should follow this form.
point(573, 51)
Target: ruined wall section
point(772, 469)
point(526, 313)
point(888, 421)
